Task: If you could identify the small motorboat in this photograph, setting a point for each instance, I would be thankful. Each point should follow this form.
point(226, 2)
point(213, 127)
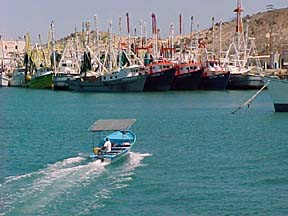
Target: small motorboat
point(119, 142)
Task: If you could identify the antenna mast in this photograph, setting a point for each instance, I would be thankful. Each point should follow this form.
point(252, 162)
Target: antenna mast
point(53, 46)
point(239, 24)
point(155, 36)
point(128, 30)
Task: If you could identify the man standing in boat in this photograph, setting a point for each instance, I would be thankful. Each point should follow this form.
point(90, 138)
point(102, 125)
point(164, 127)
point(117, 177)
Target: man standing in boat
point(107, 145)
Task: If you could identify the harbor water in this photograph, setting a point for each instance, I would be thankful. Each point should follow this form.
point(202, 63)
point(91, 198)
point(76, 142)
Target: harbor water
point(191, 157)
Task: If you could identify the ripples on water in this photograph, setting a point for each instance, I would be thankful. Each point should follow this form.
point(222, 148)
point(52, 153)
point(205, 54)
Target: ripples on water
point(202, 159)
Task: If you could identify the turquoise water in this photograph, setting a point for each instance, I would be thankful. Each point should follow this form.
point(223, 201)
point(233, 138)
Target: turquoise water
point(192, 156)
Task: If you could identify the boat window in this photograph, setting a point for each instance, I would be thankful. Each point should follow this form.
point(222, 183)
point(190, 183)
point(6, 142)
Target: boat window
point(111, 77)
point(115, 77)
point(104, 78)
point(153, 67)
point(181, 68)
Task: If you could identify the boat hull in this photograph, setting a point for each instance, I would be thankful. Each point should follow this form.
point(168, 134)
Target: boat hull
point(215, 82)
point(41, 82)
point(17, 79)
point(93, 84)
point(103, 158)
point(277, 90)
point(4, 80)
point(187, 81)
point(244, 81)
point(160, 81)
point(60, 81)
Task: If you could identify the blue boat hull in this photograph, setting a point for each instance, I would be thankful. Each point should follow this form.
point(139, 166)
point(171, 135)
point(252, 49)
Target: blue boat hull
point(160, 81)
point(215, 82)
point(188, 81)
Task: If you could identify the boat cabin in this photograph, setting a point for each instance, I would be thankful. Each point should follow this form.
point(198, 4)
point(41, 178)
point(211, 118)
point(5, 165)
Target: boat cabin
point(213, 68)
point(67, 67)
point(158, 67)
point(130, 71)
point(187, 68)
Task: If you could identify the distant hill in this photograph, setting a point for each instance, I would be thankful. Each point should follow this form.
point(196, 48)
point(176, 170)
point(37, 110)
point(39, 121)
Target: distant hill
point(260, 26)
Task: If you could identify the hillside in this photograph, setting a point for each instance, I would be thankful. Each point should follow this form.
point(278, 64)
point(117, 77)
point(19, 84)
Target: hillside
point(260, 25)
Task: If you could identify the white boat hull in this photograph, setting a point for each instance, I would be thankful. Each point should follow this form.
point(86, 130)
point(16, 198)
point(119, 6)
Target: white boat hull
point(4, 80)
point(60, 81)
point(278, 90)
point(17, 79)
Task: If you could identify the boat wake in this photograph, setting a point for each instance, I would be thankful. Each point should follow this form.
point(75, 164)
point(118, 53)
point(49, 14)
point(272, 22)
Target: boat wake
point(47, 190)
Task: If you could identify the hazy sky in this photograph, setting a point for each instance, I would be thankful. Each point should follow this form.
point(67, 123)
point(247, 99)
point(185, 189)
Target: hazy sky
point(20, 16)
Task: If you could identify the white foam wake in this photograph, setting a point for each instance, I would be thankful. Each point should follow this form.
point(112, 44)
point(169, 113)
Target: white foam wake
point(41, 186)
point(117, 179)
point(36, 191)
point(50, 167)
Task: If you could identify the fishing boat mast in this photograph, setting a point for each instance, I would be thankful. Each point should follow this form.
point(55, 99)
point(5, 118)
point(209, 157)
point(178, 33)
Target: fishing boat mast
point(220, 40)
point(155, 36)
point(172, 40)
point(213, 36)
point(2, 53)
point(141, 32)
point(53, 46)
point(110, 46)
point(120, 42)
point(76, 43)
point(145, 34)
point(239, 22)
point(237, 41)
point(191, 33)
point(128, 30)
point(246, 38)
point(181, 39)
point(42, 50)
point(96, 35)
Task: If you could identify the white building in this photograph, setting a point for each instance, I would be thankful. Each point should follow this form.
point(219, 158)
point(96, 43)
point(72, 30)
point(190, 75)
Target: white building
point(9, 49)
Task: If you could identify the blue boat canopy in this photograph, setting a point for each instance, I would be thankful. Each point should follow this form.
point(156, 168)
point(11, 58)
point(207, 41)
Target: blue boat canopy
point(112, 125)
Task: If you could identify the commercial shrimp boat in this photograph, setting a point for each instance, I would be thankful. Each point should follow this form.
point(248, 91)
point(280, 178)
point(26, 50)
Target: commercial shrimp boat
point(160, 76)
point(215, 77)
point(127, 79)
point(188, 76)
point(121, 140)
